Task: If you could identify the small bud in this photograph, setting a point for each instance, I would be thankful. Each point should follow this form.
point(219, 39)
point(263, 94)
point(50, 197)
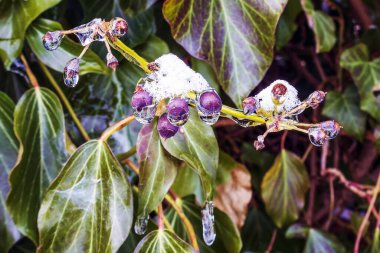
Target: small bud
point(317, 136)
point(250, 105)
point(259, 143)
point(153, 66)
point(52, 40)
point(140, 100)
point(178, 111)
point(71, 72)
point(165, 128)
point(138, 88)
point(315, 98)
point(278, 93)
point(119, 27)
point(112, 62)
point(331, 128)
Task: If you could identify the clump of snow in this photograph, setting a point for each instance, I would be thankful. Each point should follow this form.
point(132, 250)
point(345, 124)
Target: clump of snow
point(174, 78)
point(291, 98)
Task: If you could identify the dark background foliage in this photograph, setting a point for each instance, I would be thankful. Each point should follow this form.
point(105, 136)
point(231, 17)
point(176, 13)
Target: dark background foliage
point(330, 45)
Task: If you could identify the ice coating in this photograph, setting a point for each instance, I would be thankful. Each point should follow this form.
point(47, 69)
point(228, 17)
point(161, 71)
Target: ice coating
point(174, 78)
point(291, 98)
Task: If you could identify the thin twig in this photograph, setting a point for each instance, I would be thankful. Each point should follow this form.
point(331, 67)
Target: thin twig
point(272, 241)
point(366, 217)
point(332, 203)
point(64, 100)
point(307, 152)
point(29, 72)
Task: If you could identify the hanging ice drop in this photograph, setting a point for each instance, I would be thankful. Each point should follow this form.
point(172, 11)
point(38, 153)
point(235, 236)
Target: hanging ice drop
point(71, 72)
point(88, 33)
point(208, 223)
point(141, 225)
point(52, 40)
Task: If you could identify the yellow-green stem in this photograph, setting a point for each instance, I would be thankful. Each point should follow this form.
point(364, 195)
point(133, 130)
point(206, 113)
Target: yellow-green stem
point(64, 100)
point(126, 155)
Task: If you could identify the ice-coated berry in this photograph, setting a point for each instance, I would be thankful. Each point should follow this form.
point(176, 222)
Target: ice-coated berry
point(315, 98)
point(278, 93)
point(52, 40)
point(71, 72)
point(331, 128)
point(178, 111)
point(250, 105)
point(119, 27)
point(141, 99)
point(112, 62)
point(317, 136)
point(165, 128)
point(209, 102)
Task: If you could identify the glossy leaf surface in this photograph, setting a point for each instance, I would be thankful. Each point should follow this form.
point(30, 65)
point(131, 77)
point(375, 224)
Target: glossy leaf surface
point(89, 206)
point(39, 126)
point(235, 37)
point(284, 187)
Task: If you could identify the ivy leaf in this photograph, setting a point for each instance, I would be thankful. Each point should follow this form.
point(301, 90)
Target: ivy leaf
point(39, 126)
point(163, 241)
point(89, 206)
point(366, 75)
point(57, 59)
point(235, 37)
point(15, 18)
point(316, 240)
point(195, 143)
point(8, 157)
point(345, 109)
point(287, 25)
point(227, 235)
point(158, 169)
point(322, 25)
point(283, 188)
point(132, 7)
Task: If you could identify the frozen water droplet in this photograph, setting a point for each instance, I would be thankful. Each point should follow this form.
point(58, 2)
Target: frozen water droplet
point(52, 40)
point(242, 122)
point(141, 224)
point(208, 223)
point(71, 72)
point(112, 62)
point(317, 136)
point(88, 32)
point(292, 119)
point(331, 129)
point(146, 114)
point(209, 119)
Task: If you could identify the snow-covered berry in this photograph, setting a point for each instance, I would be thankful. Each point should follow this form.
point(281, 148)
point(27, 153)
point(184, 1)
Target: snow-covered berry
point(165, 128)
point(178, 111)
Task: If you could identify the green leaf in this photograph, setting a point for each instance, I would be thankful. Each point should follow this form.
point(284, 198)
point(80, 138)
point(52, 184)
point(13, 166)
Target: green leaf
point(89, 206)
point(158, 169)
point(195, 143)
point(8, 157)
point(284, 187)
point(316, 240)
point(376, 241)
point(163, 241)
point(132, 7)
point(39, 126)
point(227, 235)
point(287, 25)
point(344, 108)
point(206, 71)
point(366, 75)
point(15, 18)
point(235, 37)
point(57, 59)
point(322, 25)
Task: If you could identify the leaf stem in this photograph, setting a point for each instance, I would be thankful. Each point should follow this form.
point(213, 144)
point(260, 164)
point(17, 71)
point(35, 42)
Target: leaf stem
point(160, 214)
point(32, 77)
point(116, 127)
point(122, 156)
point(366, 217)
point(64, 100)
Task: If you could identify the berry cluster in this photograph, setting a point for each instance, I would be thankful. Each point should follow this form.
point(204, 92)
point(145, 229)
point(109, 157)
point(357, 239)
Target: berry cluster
point(279, 106)
point(177, 114)
point(95, 30)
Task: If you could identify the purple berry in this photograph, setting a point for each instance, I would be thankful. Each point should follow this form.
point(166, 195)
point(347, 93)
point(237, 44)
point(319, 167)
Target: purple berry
point(178, 111)
point(209, 102)
point(141, 99)
point(165, 128)
point(52, 40)
point(331, 128)
point(71, 72)
point(250, 105)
